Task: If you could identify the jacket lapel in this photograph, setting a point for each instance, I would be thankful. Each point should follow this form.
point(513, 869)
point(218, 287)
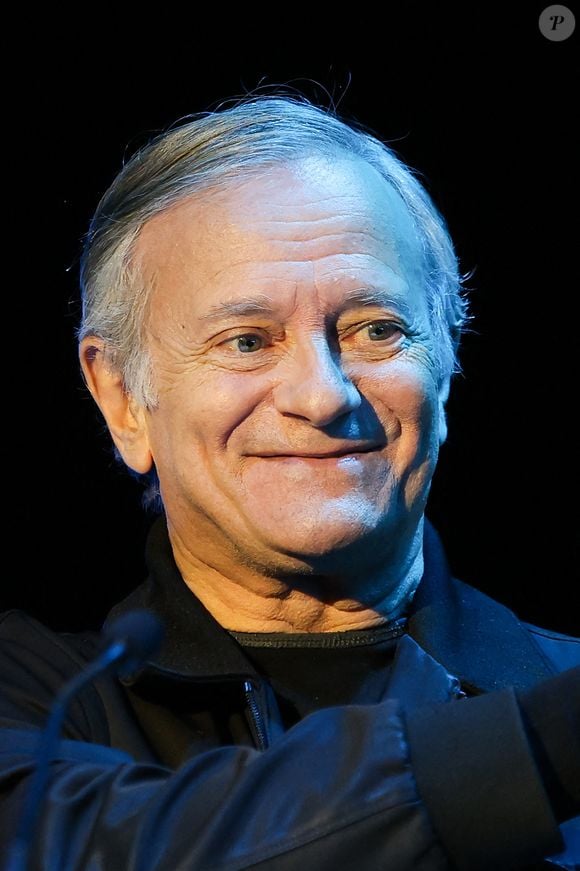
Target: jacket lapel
point(476, 638)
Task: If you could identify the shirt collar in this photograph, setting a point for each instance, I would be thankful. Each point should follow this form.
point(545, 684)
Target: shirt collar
point(475, 638)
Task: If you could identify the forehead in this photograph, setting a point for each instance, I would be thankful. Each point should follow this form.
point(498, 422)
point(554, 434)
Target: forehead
point(334, 221)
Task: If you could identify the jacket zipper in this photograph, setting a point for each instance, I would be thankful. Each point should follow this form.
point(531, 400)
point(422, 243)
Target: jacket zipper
point(257, 721)
point(457, 690)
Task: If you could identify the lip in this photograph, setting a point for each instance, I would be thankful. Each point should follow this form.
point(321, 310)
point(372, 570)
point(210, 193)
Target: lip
point(317, 459)
point(331, 455)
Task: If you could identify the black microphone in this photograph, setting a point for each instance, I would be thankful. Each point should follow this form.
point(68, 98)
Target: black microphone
point(128, 642)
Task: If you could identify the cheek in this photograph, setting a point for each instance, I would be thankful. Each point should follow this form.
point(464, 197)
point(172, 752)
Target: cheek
point(409, 396)
point(408, 393)
point(203, 411)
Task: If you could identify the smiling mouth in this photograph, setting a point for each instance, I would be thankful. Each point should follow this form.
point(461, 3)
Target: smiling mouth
point(329, 455)
point(321, 458)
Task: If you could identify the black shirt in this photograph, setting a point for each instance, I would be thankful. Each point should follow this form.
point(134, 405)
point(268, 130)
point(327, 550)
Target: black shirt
point(312, 670)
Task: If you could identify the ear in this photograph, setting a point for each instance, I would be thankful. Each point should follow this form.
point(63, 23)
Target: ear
point(443, 395)
point(124, 416)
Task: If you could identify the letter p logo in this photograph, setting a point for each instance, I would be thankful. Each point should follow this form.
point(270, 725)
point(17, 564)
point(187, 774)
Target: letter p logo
point(557, 23)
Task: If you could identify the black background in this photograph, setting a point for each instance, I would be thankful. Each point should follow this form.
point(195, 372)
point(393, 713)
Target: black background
point(478, 101)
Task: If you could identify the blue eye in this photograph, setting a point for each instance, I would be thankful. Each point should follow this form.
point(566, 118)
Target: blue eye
point(251, 336)
point(386, 326)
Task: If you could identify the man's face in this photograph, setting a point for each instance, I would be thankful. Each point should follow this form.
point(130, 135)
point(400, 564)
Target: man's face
point(320, 372)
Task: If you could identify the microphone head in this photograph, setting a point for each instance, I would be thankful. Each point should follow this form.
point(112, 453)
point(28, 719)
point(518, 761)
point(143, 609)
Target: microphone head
point(141, 632)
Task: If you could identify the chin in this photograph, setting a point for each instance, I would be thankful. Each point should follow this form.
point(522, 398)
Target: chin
point(317, 535)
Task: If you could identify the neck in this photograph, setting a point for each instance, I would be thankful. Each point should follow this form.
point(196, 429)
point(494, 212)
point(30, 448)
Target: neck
point(242, 600)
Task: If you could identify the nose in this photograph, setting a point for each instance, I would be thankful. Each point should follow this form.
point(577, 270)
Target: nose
point(314, 385)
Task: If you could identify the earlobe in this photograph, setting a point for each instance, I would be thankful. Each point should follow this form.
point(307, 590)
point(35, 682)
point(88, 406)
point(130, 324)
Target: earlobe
point(442, 425)
point(442, 399)
point(125, 418)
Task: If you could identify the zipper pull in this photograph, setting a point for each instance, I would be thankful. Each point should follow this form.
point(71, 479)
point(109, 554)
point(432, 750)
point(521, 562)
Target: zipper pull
point(456, 689)
point(256, 721)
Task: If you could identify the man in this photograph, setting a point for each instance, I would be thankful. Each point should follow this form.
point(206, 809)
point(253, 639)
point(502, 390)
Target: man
point(272, 309)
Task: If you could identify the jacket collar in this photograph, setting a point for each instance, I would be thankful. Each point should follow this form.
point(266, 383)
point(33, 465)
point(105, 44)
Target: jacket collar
point(475, 638)
point(196, 646)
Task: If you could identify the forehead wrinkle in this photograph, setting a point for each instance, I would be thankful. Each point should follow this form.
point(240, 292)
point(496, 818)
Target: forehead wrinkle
point(224, 237)
point(309, 259)
point(229, 267)
point(384, 231)
point(367, 293)
point(270, 217)
point(348, 220)
point(194, 261)
point(327, 276)
point(260, 302)
point(352, 236)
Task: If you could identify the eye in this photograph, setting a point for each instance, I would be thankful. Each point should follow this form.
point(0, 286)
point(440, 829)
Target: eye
point(248, 342)
point(386, 330)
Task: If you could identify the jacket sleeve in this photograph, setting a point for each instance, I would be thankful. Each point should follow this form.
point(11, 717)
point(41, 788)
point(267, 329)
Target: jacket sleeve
point(347, 787)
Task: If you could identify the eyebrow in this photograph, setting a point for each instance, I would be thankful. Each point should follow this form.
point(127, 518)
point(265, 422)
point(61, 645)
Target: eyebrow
point(262, 305)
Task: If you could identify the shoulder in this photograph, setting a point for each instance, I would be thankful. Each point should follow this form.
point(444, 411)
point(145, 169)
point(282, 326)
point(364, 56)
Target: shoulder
point(27, 645)
point(563, 651)
point(35, 663)
point(18, 625)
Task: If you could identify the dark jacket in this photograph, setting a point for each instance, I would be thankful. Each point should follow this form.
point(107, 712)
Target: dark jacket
point(187, 764)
